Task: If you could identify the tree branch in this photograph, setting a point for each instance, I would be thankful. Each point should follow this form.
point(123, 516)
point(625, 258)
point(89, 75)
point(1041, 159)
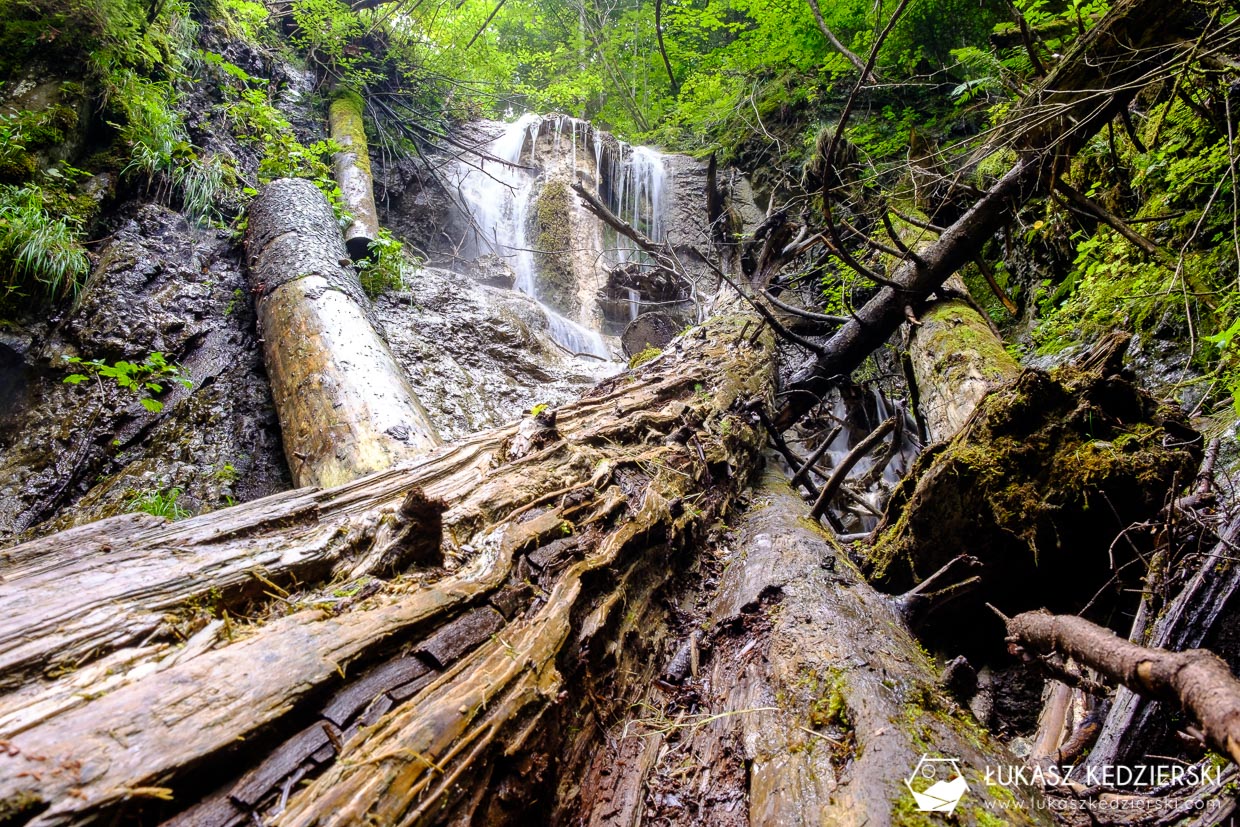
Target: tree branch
point(1197, 679)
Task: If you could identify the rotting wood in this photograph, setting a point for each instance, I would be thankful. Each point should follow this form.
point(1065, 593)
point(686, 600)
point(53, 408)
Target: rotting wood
point(345, 407)
point(623, 481)
point(812, 706)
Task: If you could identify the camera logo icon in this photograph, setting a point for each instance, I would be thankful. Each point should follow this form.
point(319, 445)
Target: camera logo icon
point(937, 784)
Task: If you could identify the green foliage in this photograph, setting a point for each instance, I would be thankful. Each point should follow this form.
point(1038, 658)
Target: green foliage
point(247, 20)
point(158, 503)
point(387, 268)
point(143, 379)
point(255, 121)
point(1182, 189)
point(36, 247)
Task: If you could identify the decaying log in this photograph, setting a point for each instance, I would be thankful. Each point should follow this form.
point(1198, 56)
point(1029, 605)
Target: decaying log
point(352, 168)
point(1040, 480)
point(639, 467)
point(1120, 55)
point(812, 704)
point(957, 359)
point(345, 407)
point(1197, 679)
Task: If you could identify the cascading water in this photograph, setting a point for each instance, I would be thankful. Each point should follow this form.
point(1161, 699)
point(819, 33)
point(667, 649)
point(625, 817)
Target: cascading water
point(498, 194)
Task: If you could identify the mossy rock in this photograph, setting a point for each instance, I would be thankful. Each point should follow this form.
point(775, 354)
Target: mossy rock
point(1037, 486)
point(552, 233)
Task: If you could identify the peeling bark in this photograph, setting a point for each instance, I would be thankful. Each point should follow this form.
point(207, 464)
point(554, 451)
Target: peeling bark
point(345, 407)
point(811, 706)
point(641, 465)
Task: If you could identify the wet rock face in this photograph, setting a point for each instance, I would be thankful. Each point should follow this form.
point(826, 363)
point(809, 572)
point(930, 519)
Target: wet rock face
point(158, 285)
point(417, 209)
point(478, 356)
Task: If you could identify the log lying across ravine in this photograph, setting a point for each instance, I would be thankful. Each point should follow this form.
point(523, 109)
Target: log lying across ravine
point(400, 657)
point(345, 407)
point(352, 168)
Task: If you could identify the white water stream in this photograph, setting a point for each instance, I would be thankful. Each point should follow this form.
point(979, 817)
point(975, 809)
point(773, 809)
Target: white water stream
point(498, 195)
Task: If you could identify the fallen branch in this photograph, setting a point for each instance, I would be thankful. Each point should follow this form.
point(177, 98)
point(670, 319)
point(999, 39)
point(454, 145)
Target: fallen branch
point(841, 471)
point(1197, 679)
point(1080, 202)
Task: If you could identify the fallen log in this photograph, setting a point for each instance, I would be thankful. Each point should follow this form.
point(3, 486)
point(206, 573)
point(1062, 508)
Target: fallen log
point(345, 407)
point(640, 465)
point(811, 703)
point(956, 361)
point(1043, 476)
point(1196, 679)
point(352, 167)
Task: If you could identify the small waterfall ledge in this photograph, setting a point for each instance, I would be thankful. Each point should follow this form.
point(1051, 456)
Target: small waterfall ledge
point(519, 215)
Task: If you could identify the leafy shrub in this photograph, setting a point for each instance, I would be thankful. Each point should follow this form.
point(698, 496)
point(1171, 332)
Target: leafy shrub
point(387, 268)
point(141, 378)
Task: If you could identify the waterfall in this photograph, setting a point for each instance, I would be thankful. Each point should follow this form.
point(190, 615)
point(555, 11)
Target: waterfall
point(635, 302)
point(498, 194)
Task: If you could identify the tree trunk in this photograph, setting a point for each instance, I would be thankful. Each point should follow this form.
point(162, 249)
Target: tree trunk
point(957, 359)
point(1121, 55)
point(809, 704)
point(462, 658)
point(345, 407)
point(352, 165)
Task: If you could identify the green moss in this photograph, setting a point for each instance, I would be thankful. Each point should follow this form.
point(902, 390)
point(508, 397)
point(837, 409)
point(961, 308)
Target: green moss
point(647, 355)
point(349, 126)
point(20, 804)
point(953, 327)
point(1024, 478)
point(553, 239)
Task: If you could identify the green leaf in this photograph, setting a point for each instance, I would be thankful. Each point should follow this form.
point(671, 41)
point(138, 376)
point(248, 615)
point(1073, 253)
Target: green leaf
point(75, 378)
point(153, 405)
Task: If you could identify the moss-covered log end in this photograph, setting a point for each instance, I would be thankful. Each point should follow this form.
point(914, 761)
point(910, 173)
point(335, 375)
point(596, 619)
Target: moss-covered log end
point(1037, 486)
point(353, 173)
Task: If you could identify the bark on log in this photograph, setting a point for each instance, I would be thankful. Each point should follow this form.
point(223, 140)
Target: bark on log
point(345, 407)
point(639, 467)
point(1197, 679)
point(352, 167)
point(1120, 55)
point(814, 703)
point(957, 360)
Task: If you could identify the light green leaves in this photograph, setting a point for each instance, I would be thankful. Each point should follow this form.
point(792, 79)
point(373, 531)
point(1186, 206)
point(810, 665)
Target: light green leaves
point(143, 379)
